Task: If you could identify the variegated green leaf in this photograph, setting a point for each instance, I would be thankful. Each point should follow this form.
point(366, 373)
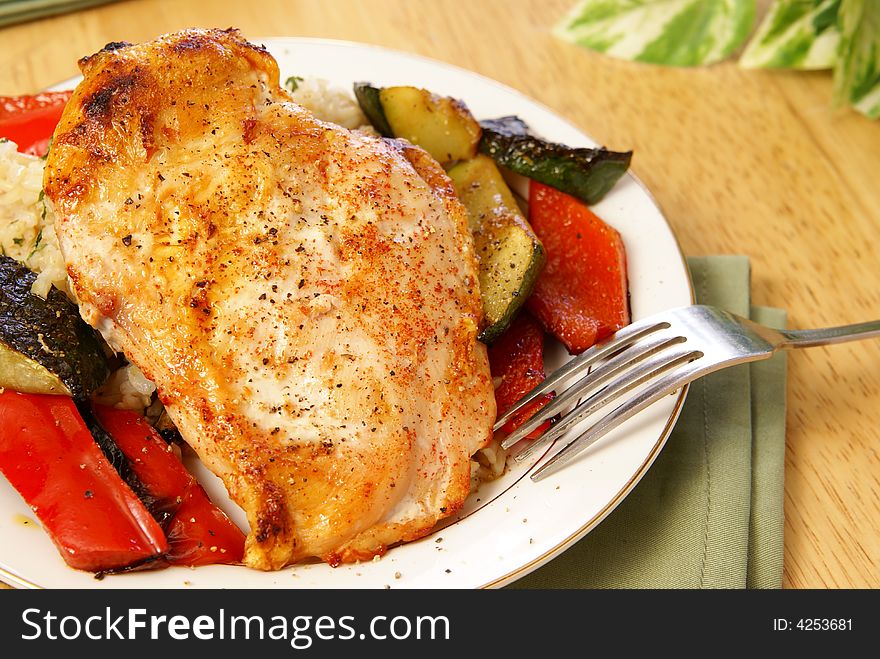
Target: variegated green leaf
point(795, 34)
point(869, 104)
point(671, 32)
point(857, 74)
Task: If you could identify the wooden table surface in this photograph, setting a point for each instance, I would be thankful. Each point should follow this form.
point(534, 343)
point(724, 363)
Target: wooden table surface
point(742, 162)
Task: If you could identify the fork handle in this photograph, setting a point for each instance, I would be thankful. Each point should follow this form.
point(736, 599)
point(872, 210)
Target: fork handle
point(828, 335)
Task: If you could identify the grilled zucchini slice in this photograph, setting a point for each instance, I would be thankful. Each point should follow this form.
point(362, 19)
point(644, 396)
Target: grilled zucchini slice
point(511, 256)
point(368, 98)
point(582, 172)
point(45, 347)
point(441, 125)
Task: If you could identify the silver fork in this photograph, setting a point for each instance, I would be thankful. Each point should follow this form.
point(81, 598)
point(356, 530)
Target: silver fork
point(651, 358)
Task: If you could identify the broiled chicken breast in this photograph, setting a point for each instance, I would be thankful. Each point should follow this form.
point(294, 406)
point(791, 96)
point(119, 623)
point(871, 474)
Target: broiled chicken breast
point(304, 297)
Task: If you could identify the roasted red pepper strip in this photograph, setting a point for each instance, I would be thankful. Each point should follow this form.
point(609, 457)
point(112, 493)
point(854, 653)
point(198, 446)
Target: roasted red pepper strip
point(581, 295)
point(29, 121)
point(517, 357)
point(47, 453)
point(198, 532)
point(201, 534)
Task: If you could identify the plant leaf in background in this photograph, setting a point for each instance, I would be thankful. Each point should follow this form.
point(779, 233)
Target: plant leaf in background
point(857, 73)
point(671, 32)
point(795, 34)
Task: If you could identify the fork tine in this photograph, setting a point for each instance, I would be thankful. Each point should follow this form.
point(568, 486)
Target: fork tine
point(626, 357)
point(621, 413)
point(647, 371)
point(620, 339)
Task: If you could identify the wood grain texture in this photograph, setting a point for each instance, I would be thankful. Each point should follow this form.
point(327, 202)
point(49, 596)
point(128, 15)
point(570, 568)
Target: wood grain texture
point(744, 162)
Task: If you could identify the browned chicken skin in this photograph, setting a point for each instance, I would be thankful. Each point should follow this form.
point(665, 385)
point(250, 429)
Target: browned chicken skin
point(304, 297)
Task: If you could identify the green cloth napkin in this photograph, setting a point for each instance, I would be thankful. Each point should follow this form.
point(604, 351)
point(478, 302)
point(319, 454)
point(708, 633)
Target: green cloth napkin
point(708, 514)
point(19, 11)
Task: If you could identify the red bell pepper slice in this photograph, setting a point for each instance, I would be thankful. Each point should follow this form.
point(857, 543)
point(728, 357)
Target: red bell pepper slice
point(48, 455)
point(198, 532)
point(517, 357)
point(201, 534)
point(581, 295)
point(29, 121)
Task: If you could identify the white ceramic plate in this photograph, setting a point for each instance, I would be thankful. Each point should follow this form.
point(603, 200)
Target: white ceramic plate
point(510, 526)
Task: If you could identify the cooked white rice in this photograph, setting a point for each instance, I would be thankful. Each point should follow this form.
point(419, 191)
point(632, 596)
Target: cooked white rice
point(488, 463)
point(329, 102)
point(27, 224)
point(126, 388)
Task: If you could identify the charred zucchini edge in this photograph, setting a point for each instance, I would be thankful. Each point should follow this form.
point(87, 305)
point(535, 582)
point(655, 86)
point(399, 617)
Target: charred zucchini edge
point(586, 173)
point(49, 334)
point(368, 98)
